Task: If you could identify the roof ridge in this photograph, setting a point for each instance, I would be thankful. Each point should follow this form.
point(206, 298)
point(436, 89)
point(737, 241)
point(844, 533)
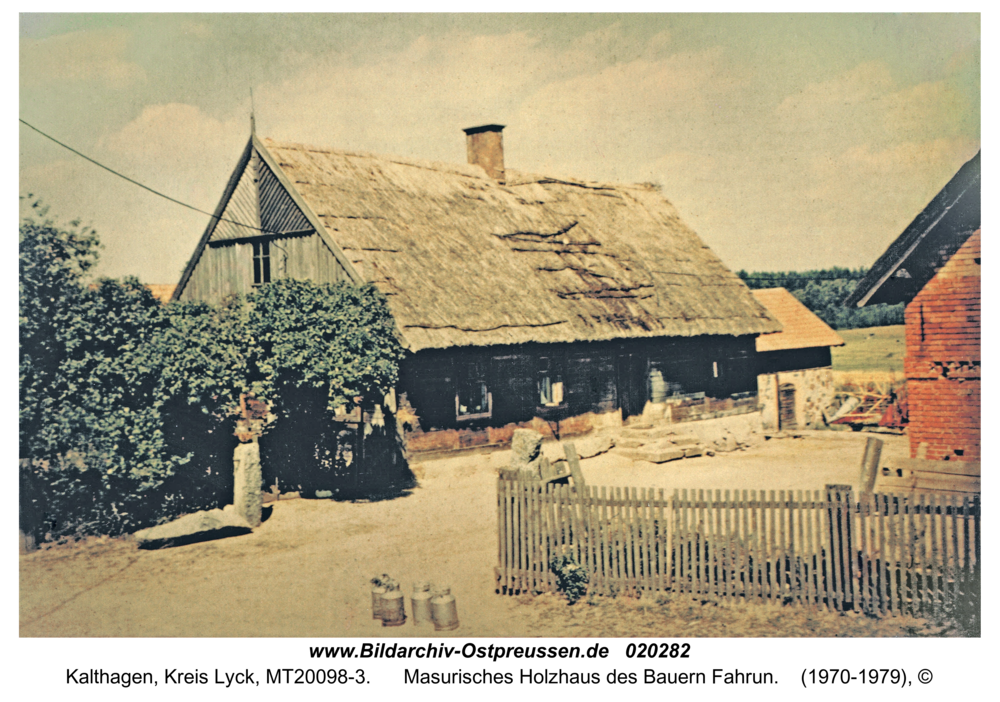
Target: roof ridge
point(466, 169)
point(456, 168)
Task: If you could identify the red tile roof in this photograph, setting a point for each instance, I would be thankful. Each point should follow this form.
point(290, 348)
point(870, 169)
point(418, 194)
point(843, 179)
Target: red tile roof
point(802, 329)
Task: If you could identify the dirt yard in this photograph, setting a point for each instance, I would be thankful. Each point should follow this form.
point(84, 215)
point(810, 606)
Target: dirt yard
point(305, 571)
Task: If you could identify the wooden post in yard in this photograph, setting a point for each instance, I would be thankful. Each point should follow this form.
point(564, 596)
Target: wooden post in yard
point(869, 464)
point(574, 465)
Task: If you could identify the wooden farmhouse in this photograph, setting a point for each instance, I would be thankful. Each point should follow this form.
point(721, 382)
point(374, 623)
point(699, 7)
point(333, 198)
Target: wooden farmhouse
point(934, 267)
point(523, 300)
point(795, 381)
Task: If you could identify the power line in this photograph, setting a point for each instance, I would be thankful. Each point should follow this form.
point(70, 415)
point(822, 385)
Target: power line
point(144, 187)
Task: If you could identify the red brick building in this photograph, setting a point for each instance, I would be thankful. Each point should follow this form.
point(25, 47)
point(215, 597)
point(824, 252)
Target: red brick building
point(934, 267)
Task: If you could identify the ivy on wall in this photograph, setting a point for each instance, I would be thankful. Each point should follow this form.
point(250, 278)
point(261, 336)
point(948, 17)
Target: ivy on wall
point(105, 370)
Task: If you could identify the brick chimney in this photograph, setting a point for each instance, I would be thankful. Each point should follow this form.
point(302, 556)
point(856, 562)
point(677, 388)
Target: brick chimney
point(485, 148)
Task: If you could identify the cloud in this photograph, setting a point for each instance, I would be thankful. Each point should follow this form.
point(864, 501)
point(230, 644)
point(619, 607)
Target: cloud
point(79, 57)
point(177, 148)
point(903, 176)
point(751, 157)
point(173, 148)
point(850, 89)
point(866, 106)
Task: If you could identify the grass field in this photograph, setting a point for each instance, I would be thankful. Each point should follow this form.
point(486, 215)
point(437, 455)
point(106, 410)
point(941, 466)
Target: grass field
point(871, 358)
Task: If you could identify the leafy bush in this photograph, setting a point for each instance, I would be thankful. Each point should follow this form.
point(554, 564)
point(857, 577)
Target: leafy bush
point(126, 404)
point(571, 578)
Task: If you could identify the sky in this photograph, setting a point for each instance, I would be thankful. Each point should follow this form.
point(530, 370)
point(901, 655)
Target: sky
point(788, 142)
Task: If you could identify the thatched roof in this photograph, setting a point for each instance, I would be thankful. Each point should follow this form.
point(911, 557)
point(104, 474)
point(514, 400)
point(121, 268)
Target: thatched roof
point(802, 329)
point(466, 261)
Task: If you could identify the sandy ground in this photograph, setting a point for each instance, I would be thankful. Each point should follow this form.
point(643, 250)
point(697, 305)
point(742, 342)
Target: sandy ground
point(305, 571)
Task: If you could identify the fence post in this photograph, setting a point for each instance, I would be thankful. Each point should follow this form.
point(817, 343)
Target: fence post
point(869, 464)
point(839, 542)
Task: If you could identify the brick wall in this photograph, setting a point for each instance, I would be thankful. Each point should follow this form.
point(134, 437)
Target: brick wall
point(942, 362)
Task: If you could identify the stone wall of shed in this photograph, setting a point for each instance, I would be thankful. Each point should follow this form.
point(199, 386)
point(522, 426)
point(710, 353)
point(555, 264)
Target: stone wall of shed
point(942, 362)
point(814, 392)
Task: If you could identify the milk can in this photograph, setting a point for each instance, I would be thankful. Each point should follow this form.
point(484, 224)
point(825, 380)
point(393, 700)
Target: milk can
point(444, 613)
point(421, 602)
point(377, 592)
point(393, 613)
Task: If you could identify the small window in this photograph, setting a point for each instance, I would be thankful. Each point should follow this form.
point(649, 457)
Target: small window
point(715, 369)
point(550, 382)
point(473, 400)
point(261, 262)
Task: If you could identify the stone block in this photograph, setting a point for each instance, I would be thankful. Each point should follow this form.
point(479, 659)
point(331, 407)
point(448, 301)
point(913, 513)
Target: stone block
point(630, 453)
point(659, 453)
point(629, 442)
point(692, 451)
point(247, 501)
point(525, 445)
point(647, 433)
point(191, 528)
point(594, 446)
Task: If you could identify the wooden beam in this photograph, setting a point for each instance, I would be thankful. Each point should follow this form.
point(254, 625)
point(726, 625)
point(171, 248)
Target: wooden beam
point(925, 466)
point(574, 465)
point(869, 464)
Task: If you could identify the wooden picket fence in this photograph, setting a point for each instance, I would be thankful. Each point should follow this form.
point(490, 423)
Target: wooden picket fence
point(880, 554)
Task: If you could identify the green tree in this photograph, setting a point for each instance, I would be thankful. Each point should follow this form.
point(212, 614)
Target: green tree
point(108, 375)
point(824, 291)
point(337, 337)
point(52, 263)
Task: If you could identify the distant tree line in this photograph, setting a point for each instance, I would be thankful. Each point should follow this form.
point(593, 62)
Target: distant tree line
point(823, 291)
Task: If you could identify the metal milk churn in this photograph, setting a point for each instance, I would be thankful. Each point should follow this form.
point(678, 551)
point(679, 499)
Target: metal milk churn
point(377, 592)
point(421, 602)
point(444, 613)
point(393, 613)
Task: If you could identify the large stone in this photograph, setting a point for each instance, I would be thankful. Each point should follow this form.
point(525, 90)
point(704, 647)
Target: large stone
point(660, 453)
point(726, 443)
point(247, 499)
point(647, 433)
point(191, 528)
point(594, 446)
point(525, 445)
point(629, 443)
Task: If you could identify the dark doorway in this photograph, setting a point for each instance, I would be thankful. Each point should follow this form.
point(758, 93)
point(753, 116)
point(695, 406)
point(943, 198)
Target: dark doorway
point(631, 374)
point(786, 407)
point(309, 451)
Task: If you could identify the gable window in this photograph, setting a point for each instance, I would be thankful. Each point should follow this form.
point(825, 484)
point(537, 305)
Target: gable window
point(261, 262)
point(550, 382)
point(473, 399)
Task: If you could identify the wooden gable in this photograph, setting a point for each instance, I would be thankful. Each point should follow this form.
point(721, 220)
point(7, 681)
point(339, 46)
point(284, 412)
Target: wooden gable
point(260, 204)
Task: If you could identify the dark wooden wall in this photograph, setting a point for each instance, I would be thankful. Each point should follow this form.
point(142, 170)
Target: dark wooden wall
point(597, 376)
point(795, 359)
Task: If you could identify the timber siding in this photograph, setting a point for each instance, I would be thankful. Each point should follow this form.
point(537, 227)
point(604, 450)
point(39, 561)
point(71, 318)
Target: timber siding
point(224, 267)
point(599, 378)
point(942, 362)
